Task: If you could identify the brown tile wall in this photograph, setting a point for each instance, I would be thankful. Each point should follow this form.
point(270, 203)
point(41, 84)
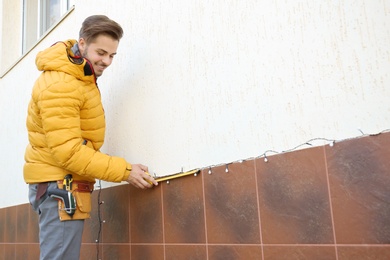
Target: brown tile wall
point(328, 202)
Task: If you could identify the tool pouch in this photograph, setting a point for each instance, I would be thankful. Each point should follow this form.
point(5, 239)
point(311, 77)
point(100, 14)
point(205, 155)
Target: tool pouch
point(82, 193)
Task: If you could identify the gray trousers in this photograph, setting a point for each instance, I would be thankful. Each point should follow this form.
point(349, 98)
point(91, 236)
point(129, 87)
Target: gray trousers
point(58, 239)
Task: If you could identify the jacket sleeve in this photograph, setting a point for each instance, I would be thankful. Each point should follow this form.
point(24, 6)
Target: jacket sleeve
point(60, 111)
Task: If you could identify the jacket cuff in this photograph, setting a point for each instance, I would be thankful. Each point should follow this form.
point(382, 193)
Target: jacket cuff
point(127, 172)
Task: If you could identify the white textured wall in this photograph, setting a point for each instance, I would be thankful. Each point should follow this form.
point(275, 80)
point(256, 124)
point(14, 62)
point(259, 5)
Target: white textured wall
point(198, 83)
point(10, 24)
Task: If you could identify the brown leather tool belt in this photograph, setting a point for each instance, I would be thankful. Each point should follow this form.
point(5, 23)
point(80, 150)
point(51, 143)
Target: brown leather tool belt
point(81, 186)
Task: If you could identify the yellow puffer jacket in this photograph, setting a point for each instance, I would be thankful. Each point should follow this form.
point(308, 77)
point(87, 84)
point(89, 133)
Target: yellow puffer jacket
point(66, 123)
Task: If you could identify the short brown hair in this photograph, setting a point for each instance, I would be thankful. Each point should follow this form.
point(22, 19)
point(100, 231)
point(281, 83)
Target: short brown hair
point(95, 25)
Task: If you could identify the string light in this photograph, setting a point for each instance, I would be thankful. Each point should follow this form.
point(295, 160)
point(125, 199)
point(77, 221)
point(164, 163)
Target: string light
point(331, 142)
point(100, 202)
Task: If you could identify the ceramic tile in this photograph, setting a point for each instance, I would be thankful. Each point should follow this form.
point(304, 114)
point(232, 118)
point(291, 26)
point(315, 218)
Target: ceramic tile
point(2, 225)
point(231, 204)
point(9, 251)
point(21, 251)
point(363, 252)
point(183, 208)
point(10, 224)
point(22, 220)
point(90, 251)
point(359, 183)
point(146, 215)
point(234, 252)
point(115, 213)
point(147, 252)
point(117, 252)
point(188, 252)
point(33, 251)
point(33, 225)
point(2, 250)
point(92, 225)
point(294, 198)
point(299, 252)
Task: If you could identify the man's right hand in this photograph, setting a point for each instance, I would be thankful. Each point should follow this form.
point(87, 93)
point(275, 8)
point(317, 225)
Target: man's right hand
point(140, 178)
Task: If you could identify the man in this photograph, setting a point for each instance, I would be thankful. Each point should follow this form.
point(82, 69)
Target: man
point(66, 127)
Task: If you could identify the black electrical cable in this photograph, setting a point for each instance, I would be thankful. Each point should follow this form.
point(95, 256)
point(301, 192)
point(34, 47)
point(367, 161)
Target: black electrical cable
point(100, 221)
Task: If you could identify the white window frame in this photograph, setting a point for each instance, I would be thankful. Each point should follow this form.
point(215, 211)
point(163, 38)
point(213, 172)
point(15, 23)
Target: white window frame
point(36, 20)
point(30, 34)
point(46, 16)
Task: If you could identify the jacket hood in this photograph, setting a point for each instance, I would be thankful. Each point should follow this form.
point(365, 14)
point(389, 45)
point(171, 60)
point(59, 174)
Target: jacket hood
point(65, 57)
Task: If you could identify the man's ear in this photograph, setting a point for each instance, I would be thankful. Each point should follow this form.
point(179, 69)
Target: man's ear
point(82, 45)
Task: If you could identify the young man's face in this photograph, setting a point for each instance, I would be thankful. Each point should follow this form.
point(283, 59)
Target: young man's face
point(99, 52)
